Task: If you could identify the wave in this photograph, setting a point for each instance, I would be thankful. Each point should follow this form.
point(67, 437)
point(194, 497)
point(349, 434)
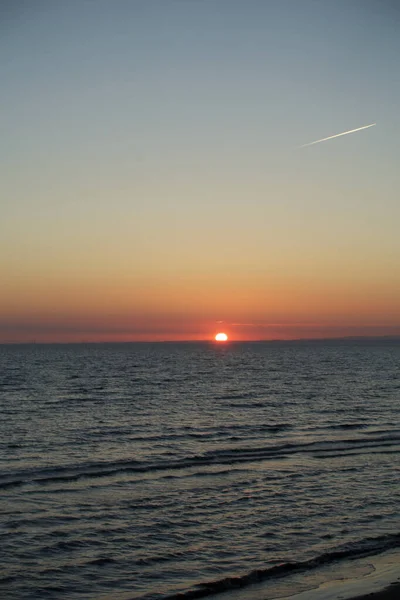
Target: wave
point(347, 426)
point(242, 396)
point(191, 432)
point(235, 455)
point(353, 550)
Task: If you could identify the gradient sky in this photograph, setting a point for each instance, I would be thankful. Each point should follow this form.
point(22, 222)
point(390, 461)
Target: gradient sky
point(152, 182)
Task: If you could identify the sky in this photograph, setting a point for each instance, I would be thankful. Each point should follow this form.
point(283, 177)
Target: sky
point(152, 183)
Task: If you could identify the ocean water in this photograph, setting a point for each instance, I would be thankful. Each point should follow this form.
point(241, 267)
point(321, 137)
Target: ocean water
point(156, 470)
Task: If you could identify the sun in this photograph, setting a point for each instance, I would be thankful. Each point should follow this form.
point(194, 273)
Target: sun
point(221, 337)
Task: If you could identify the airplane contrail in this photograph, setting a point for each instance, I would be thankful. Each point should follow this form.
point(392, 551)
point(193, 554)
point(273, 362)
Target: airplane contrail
point(337, 135)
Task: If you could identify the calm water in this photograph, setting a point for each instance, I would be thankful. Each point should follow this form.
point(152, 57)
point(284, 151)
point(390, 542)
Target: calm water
point(145, 470)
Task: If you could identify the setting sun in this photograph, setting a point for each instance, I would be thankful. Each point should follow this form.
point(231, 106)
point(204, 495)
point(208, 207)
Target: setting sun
point(221, 337)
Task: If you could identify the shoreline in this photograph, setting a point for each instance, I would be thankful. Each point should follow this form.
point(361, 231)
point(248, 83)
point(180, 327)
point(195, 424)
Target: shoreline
point(392, 592)
point(375, 577)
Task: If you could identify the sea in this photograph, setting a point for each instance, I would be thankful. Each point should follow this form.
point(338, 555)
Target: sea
point(166, 471)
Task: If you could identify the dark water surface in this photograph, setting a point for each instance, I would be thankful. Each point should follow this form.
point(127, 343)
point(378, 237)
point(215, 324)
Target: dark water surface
point(145, 470)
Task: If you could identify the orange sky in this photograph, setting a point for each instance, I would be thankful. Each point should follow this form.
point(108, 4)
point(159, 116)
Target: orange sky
point(195, 307)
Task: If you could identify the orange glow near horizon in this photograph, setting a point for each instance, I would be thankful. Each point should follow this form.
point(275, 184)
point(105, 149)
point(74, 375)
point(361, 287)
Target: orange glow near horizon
point(61, 310)
point(55, 306)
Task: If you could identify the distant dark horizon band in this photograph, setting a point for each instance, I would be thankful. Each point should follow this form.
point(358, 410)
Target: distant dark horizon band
point(211, 340)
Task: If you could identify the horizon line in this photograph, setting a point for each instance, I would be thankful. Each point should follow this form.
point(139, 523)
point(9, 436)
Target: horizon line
point(205, 340)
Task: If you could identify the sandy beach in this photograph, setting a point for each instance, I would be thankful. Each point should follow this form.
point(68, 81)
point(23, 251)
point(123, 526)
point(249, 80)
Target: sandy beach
point(373, 577)
point(390, 593)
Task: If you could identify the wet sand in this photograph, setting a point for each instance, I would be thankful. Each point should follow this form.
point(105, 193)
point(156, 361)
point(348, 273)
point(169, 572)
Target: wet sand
point(368, 578)
point(390, 593)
